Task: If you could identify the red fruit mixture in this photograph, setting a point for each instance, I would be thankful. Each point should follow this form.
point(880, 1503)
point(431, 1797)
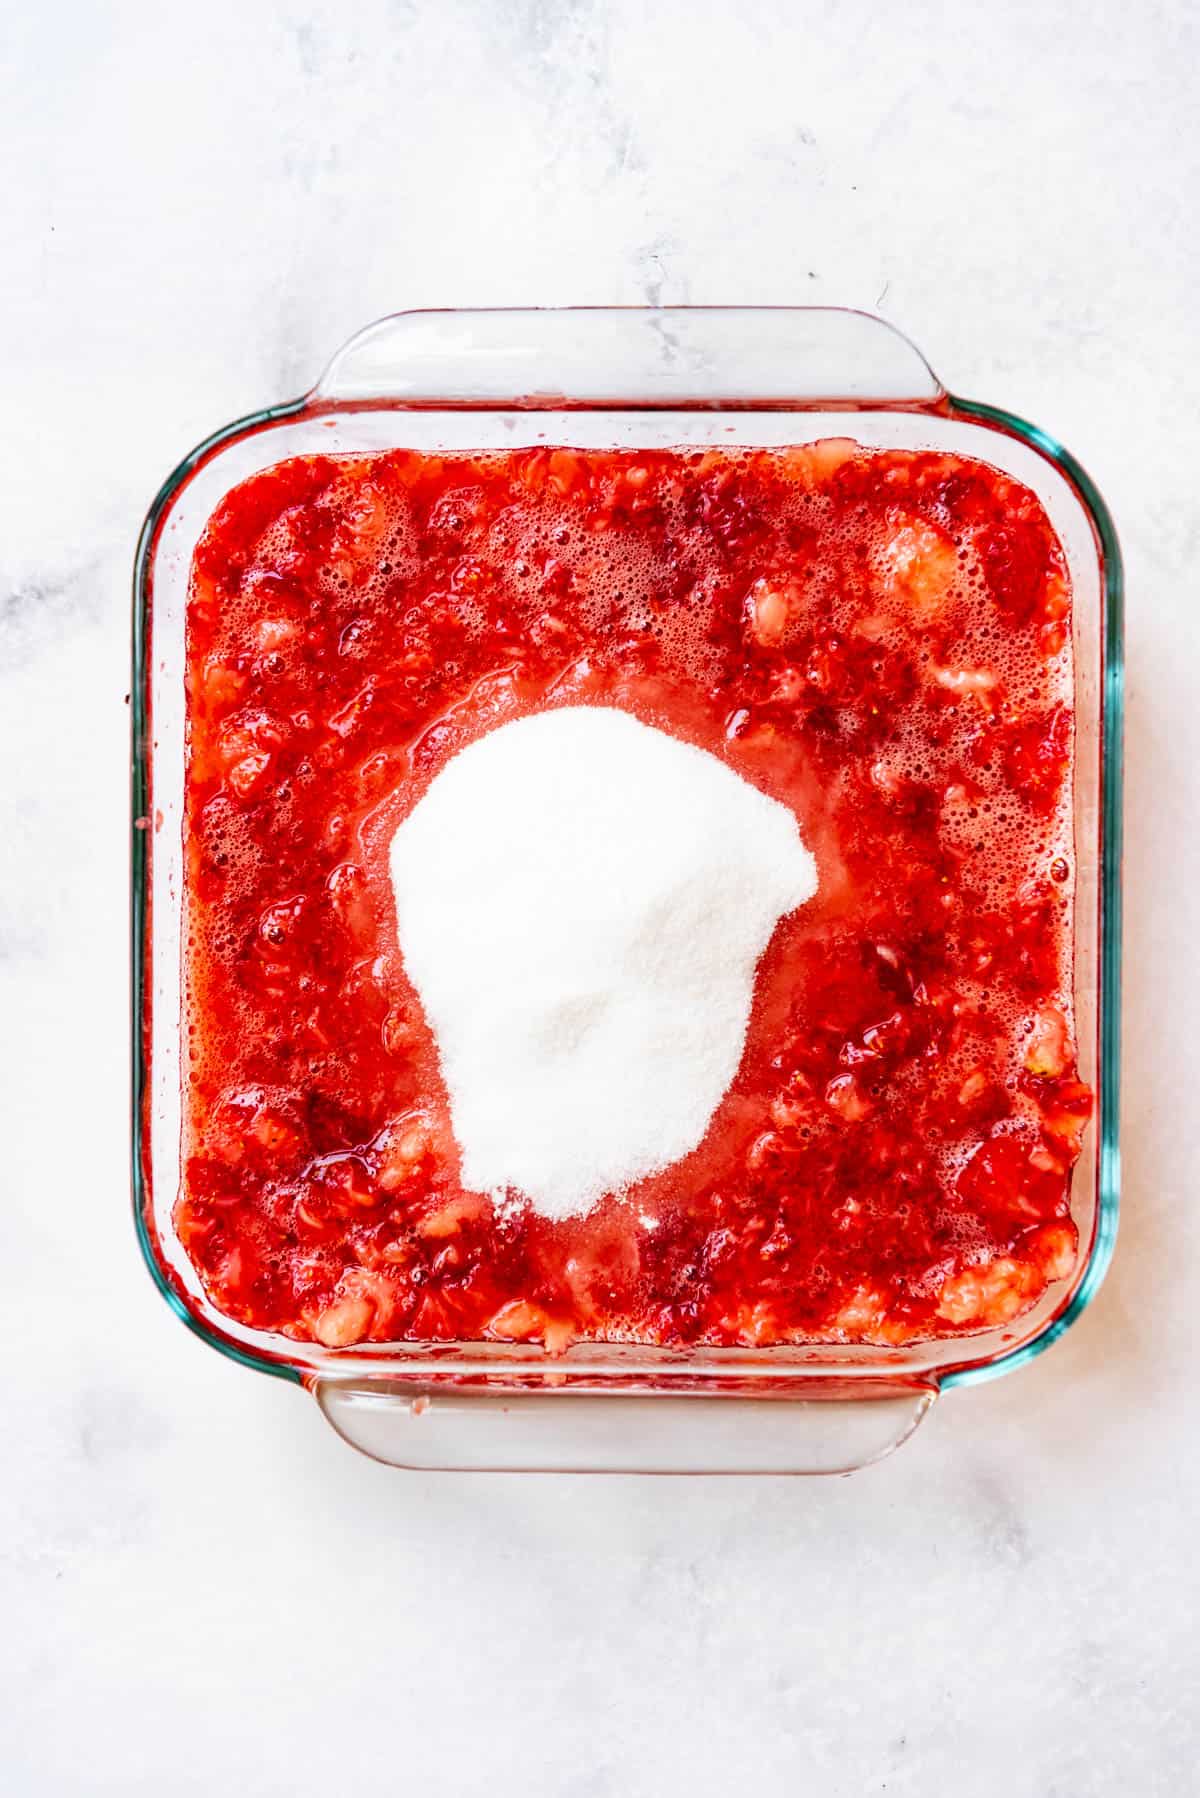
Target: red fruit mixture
point(880, 640)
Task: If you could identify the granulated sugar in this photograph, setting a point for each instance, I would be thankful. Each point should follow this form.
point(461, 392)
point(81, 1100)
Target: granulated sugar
point(582, 902)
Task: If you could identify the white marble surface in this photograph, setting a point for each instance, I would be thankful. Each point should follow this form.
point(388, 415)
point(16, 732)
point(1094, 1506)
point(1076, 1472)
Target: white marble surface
point(203, 1591)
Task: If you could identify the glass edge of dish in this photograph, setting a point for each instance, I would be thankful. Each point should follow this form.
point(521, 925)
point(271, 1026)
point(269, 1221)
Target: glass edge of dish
point(1112, 781)
point(1112, 772)
point(141, 828)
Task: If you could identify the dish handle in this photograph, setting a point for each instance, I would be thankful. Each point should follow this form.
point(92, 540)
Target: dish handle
point(425, 1426)
point(706, 357)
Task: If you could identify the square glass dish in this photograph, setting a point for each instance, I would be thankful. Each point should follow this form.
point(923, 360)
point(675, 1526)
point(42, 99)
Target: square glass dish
point(633, 379)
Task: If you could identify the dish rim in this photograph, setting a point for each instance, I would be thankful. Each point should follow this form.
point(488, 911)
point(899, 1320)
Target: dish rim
point(587, 1366)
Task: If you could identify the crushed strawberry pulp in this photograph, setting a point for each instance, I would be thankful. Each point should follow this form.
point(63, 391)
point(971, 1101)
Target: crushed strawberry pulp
point(879, 639)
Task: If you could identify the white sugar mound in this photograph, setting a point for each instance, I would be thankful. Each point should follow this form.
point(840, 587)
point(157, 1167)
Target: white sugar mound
point(582, 902)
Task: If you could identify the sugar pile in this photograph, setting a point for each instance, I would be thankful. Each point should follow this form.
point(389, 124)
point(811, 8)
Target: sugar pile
point(582, 902)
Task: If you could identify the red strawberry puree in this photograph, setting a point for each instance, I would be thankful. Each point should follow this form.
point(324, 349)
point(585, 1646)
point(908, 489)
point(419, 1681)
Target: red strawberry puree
point(880, 641)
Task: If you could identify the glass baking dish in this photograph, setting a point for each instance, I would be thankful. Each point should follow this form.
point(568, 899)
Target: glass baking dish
point(631, 378)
